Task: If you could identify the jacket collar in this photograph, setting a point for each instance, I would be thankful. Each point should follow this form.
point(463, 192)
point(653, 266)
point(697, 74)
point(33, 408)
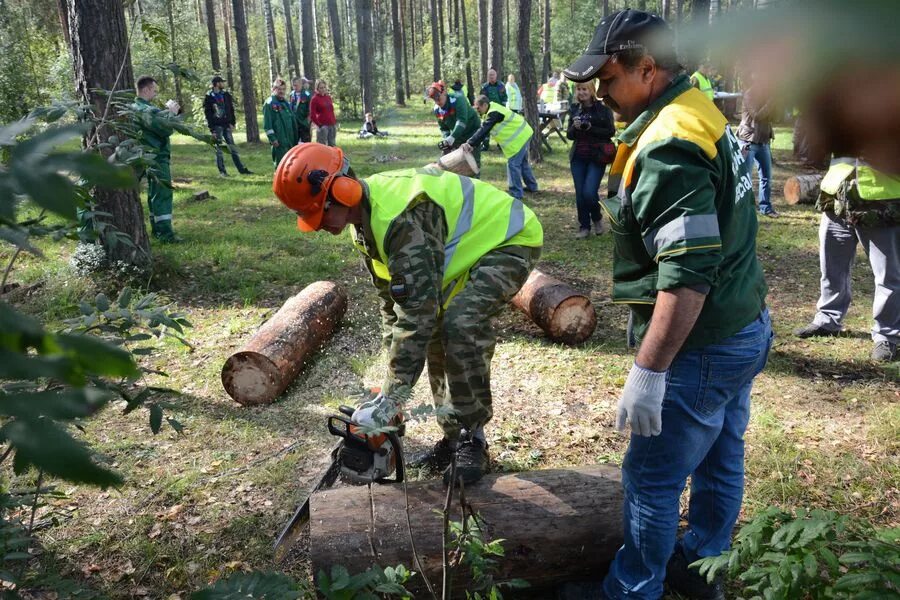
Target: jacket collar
point(679, 85)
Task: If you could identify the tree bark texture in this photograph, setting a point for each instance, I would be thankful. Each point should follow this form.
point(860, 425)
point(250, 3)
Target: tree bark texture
point(273, 357)
point(213, 36)
point(366, 46)
point(290, 42)
point(564, 314)
point(528, 79)
point(170, 11)
point(404, 28)
point(546, 67)
point(63, 10)
point(460, 162)
point(271, 43)
point(557, 525)
point(101, 59)
point(483, 39)
point(226, 32)
point(470, 84)
point(802, 189)
point(397, 33)
point(308, 38)
point(435, 43)
point(248, 95)
point(495, 35)
point(337, 36)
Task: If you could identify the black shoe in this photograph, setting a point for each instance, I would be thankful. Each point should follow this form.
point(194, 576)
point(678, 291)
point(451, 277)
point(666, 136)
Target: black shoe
point(437, 458)
point(246, 172)
point(472, 462)
point(689, 582)
point(884, 351)
point(813, 330)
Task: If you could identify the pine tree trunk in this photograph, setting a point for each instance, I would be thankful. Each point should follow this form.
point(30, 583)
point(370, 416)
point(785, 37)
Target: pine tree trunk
point(495, 35)
point(100, 54)
point(366, 43)
point(664, 12)
point(678, 4)
point(337, 36)
point(411, 16)
point(528, 78)
point(435, 43)
point(506, 35)
point(271, 45)
point(213, 36)
point(290, 42)
point(546, 67)
point(398, 52)
point(483, 39)
point(440, 6)
point(605, 8)
point(63, 10)
point(465, 30)
point(226, 32)
point(403, 29)
point(248, 94)
point(700, 26)
point(308, 38)
point(171, 14)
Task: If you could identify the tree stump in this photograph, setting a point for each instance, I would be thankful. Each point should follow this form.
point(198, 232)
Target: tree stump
point(201, 195)
point(270, 361)
point(558, 525)
point(460, 162)
point(802, 189)
point(564, 314)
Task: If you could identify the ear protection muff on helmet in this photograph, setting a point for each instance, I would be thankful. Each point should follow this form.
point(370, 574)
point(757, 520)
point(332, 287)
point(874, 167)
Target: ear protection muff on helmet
point(346, 190)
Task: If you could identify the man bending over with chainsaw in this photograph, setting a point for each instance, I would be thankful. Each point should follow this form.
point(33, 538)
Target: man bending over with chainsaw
point(446, 253)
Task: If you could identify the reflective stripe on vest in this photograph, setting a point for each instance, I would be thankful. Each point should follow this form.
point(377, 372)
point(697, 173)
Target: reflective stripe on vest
point(512, 133)
point(705, 85)
point(514, 98)
point(479, 217)
point(871, 184)
point(548, 95)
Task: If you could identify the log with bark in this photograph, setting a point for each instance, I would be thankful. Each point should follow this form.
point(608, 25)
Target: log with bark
point(802, 189)
point(270, 361)
point(460, 162)
point(564, 314)
point(558, 525)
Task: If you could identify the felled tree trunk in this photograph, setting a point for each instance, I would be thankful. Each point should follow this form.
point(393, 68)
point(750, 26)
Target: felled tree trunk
point(564, 314)
point(270, 361)
point(802, 189)
point(558, 525)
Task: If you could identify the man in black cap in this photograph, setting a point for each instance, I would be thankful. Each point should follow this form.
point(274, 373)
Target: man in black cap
point(218, 106)
point(684, 220)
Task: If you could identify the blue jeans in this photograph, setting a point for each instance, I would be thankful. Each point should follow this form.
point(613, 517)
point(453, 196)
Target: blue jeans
point(517, 169)
point(224, 135)
point(705, 412)
point(587, 174)
point(761, 154)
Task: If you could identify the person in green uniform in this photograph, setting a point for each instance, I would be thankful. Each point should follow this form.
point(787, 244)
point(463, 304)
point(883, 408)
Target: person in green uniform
point(683, 219)
point(279, 122)
point(456, 118)
point(154, 129)
point(300, 97)
point(446, 253)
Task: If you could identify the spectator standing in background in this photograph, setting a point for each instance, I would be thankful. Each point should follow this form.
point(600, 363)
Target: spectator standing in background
point(321, 114)
point(513, 95)
point(300, 97)
point(218, 106)
point(279, 122)
point(591, 127)
point(756, 134)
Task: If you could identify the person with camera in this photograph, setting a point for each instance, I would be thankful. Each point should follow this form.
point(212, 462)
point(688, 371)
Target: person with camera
point(591, 127)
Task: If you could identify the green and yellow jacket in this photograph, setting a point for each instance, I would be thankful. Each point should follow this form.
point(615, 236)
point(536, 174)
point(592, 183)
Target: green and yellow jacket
point(682, 212)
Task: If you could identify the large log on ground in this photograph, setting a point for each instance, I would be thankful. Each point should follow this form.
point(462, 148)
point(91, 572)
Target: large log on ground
point(460, 162)
point(270, 361)
point(802, 189)
point(558, 525)
point(564, 314)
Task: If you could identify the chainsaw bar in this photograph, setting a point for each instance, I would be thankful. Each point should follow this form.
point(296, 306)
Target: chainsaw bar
point(294, 528)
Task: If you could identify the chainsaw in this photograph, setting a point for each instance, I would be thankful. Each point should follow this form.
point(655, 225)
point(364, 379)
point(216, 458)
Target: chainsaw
point(358, 458)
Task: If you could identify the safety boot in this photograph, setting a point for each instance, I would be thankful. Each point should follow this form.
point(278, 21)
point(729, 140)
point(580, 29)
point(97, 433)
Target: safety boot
point(689, 582)
point(436, 458)
point(472, 461)
point(815, 330)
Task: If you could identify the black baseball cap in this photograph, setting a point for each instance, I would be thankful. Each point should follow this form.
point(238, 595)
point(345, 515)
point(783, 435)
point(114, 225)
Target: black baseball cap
point(216, 80)
point(624, 30)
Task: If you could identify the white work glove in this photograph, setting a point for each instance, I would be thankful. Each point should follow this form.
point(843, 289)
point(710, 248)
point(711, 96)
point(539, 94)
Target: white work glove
point(377, 412)
point(449, 140)
point(641, 401)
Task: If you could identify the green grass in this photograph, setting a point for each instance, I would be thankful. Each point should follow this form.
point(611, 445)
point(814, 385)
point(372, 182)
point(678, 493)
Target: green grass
point(823, 431)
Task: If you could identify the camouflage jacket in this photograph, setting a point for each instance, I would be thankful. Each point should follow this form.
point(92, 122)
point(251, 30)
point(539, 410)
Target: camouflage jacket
point(409, 305)
point(847, 205)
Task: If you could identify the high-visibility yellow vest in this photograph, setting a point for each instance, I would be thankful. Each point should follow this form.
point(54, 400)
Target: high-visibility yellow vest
point(705, 85)
point(480, 218)
point(512, 132)
point(513, 97)
point(871, 184)
point(548, 94)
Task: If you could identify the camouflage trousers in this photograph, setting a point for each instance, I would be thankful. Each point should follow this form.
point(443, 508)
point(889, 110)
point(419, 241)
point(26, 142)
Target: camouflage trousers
point(463, 342)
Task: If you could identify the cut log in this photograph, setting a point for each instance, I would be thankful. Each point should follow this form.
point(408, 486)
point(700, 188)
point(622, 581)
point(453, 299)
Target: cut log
point(564, 314)
point(460, 162)
point(558, 525)
point(201, 195)
point(275, 354)
point(802, 189)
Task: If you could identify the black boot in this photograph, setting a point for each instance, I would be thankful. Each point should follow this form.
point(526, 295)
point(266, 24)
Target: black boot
point(689, 582)
point(472, 461)
point(437, 458)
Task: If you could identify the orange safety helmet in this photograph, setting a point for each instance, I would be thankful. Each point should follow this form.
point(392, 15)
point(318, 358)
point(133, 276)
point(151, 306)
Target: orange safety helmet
point(308, 177)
